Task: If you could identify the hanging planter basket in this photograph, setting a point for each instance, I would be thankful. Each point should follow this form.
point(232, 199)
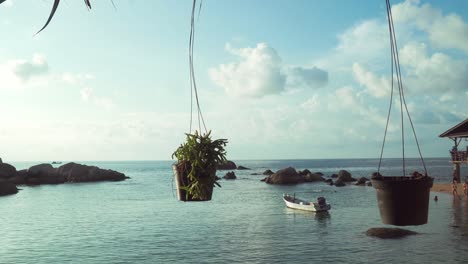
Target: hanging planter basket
point(181, 171)
point(403, 201)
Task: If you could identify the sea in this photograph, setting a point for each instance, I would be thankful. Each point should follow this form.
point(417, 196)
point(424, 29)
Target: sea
point(139, 220)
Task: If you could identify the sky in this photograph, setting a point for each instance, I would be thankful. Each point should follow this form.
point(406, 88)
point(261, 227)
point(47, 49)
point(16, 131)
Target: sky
point(303, 79)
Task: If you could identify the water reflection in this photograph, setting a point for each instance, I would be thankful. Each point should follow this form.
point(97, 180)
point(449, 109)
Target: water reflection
point(322, 218)
point(460, 215)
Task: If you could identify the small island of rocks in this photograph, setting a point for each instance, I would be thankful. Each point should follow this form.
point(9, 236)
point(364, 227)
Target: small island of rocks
point(45, 173)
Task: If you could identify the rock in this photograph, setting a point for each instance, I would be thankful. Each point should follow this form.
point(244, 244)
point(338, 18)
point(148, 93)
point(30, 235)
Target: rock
point(334, 175)
point(255, 173)
point(73, 172)
point(304, 172)
point(369, 183)
point(230, 176)
point(389, 233)
point(362, 181)
point(267, 172)
point(20, 177)
point(243, 168)
point(313, 177)
point(264, 179)
point(339, 183)
point(329, 181)
point(7, 171)
point(345, 176)
point(43, 174)
point(227, 165)
point(1, 161)
point(285, 176)
point(7, 188)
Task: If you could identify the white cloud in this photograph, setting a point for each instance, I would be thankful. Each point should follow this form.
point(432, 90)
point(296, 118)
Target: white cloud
point(257, 74)
point(15, 74)
point(377, 87)
point(307, 77)
point(436, 73)
point(26, 70)
point(260, 72)
point(445, 31)
point(79, 78)
point(312, 104)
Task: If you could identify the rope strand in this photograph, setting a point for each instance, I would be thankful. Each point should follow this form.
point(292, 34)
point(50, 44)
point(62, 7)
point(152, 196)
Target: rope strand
point(193, 84)
point(395, 64)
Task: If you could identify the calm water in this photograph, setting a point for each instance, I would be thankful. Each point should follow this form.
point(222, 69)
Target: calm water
point(140, 221)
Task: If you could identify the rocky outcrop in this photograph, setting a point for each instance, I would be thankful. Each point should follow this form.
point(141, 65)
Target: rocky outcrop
point(7, 188)
point(345, 176)
point(313, 177)
point(74, 172)
point(43, 174)
point(268, 172)
point(227, 165)
point(285, 176)
point(243, 168)
point(46, 174)
point(7, 171)
point(389, 233)
point(362, 181)
point(230, 176)
point(339, 183)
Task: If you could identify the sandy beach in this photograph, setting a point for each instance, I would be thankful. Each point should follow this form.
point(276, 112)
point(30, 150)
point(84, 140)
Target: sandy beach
point(447, 188)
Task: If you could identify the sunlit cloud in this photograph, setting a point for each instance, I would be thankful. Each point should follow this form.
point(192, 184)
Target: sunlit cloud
point(261, 72)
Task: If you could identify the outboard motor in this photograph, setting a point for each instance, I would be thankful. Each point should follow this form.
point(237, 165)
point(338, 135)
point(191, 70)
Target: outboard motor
point(321, 201)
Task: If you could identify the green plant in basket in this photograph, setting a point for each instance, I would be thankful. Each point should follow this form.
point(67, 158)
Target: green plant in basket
point(195, 169)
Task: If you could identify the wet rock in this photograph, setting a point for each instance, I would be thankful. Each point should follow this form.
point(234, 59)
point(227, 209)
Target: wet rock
point(389, 233)
point(7, 188)
point(43, 174)
point(345, 176)
point(243, 168)
point(285, 176)
point(268, 172)
point(7, 171)
point(334, 175)
point(230, 176)
point(313, 177)
point(339, 183)
point(369, 183)
point(362, 181)
point(73, 172)
point(227, 165)
point(255, 173)
point(304, 172)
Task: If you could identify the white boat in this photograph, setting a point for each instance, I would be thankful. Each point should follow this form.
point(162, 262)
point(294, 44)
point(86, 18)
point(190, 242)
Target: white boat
point(295, 203)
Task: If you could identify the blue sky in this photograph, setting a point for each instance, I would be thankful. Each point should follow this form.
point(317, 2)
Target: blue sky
point(278, 79)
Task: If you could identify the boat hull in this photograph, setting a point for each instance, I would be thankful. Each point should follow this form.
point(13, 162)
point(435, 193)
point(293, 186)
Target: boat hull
point(298, 204)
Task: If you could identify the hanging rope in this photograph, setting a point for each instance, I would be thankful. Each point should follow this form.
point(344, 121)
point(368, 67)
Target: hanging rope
point(193, 84)
point(395, 64)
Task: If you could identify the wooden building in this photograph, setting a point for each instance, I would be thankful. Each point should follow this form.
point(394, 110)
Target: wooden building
point(458, 153)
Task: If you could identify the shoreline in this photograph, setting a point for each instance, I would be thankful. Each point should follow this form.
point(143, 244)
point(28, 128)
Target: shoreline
point(447, 188)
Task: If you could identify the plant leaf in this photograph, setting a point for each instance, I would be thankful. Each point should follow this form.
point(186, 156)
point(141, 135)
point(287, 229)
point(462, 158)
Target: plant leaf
point(54, 8)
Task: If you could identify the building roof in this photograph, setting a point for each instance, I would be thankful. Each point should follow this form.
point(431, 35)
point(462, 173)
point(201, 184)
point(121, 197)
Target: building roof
point(458, 131)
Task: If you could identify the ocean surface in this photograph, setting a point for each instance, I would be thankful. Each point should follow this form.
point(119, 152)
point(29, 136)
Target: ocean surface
point(140, 220)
